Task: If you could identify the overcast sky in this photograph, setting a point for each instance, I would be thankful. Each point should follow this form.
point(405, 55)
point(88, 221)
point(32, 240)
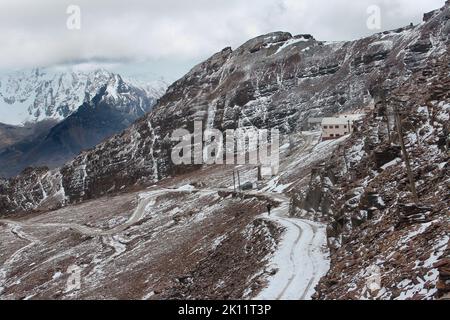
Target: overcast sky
point(149, 39)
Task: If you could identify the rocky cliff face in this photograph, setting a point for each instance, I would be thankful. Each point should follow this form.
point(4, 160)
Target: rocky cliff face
point(274, 80)
point(386, 244)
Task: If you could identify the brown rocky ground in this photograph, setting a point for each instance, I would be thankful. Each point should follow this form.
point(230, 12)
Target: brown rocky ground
point(378, 231)
point(188, 245)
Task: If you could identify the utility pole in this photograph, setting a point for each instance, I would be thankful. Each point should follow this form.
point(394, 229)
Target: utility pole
point(234, 181)
point(405, 155)
point(239, 181)
point(259, 173)
point(387, 121)
point(345, 158)
point(431, 112)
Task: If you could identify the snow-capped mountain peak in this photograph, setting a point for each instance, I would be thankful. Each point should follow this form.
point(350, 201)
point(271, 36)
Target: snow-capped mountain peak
point(42, 94)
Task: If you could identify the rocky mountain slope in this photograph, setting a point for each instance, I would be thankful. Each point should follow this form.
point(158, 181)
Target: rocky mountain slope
point(186, 237)
point(108, 113)
point(275, 80)
point(10, 135)
point(387, 244)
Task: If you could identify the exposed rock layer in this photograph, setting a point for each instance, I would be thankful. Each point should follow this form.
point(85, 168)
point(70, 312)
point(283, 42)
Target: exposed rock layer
point(274, 80)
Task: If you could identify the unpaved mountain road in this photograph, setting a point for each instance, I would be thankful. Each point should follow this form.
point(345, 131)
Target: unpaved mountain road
point(16, 230)
point(298, 257)
point(137, 215)
point(145, 199)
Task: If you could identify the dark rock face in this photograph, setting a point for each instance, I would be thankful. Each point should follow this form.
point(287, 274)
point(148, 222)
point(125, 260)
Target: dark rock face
point(319, 194)
point(443, 284)
point(12, 135)
point(421, 46)
point(375, 223)
point(410, 214)
point(272, 81)
point(33, 186)
point(383, 156)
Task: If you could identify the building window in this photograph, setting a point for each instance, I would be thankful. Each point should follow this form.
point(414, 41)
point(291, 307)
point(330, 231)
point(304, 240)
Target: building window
point(325, 127)
point(345, 127)
point(337, 127)
point(331, 135)
point(338, 135)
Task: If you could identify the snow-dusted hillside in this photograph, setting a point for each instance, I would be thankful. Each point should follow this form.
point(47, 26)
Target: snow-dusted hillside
point(385, 243)
point(43, 94)
point(189, 237)
point(253, 85)
point(153, 230)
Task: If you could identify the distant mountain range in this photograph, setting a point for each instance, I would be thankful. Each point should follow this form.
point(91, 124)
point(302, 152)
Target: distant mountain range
point(47, 118)
point(42, 94)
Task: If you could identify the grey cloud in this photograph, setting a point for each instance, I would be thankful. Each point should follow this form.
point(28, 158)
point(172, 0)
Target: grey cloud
point(34, 33)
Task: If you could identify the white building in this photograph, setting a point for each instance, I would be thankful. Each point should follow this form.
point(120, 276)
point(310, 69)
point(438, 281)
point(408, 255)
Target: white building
point(336, 127)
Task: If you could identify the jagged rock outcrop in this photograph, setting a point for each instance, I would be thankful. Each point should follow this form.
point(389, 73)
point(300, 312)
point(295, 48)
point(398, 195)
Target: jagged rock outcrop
point(275, 80)
point(386, 244)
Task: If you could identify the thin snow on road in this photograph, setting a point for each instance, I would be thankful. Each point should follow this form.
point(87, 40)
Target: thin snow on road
point(5, 268)
point(302, 257)
point(146, 200)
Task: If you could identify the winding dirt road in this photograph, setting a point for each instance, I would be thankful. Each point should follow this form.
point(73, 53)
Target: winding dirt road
point(301, 258)
point(137, 215)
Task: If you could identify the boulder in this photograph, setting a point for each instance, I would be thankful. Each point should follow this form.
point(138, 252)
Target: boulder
point(421, 46)
point(247, 186)
point(409, 214)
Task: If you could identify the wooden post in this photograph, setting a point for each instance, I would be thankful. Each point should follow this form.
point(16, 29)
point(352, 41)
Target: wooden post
point(234, 182)
point(239, 181)
point(405, 155)
point(431, 112)
point(387, 122)
point(291, 144)
point(345, 158)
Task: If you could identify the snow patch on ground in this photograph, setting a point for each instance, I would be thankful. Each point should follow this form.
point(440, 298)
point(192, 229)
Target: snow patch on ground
point(218, 241)
point(301, 259)
point(289, 43)
point(187, 187)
